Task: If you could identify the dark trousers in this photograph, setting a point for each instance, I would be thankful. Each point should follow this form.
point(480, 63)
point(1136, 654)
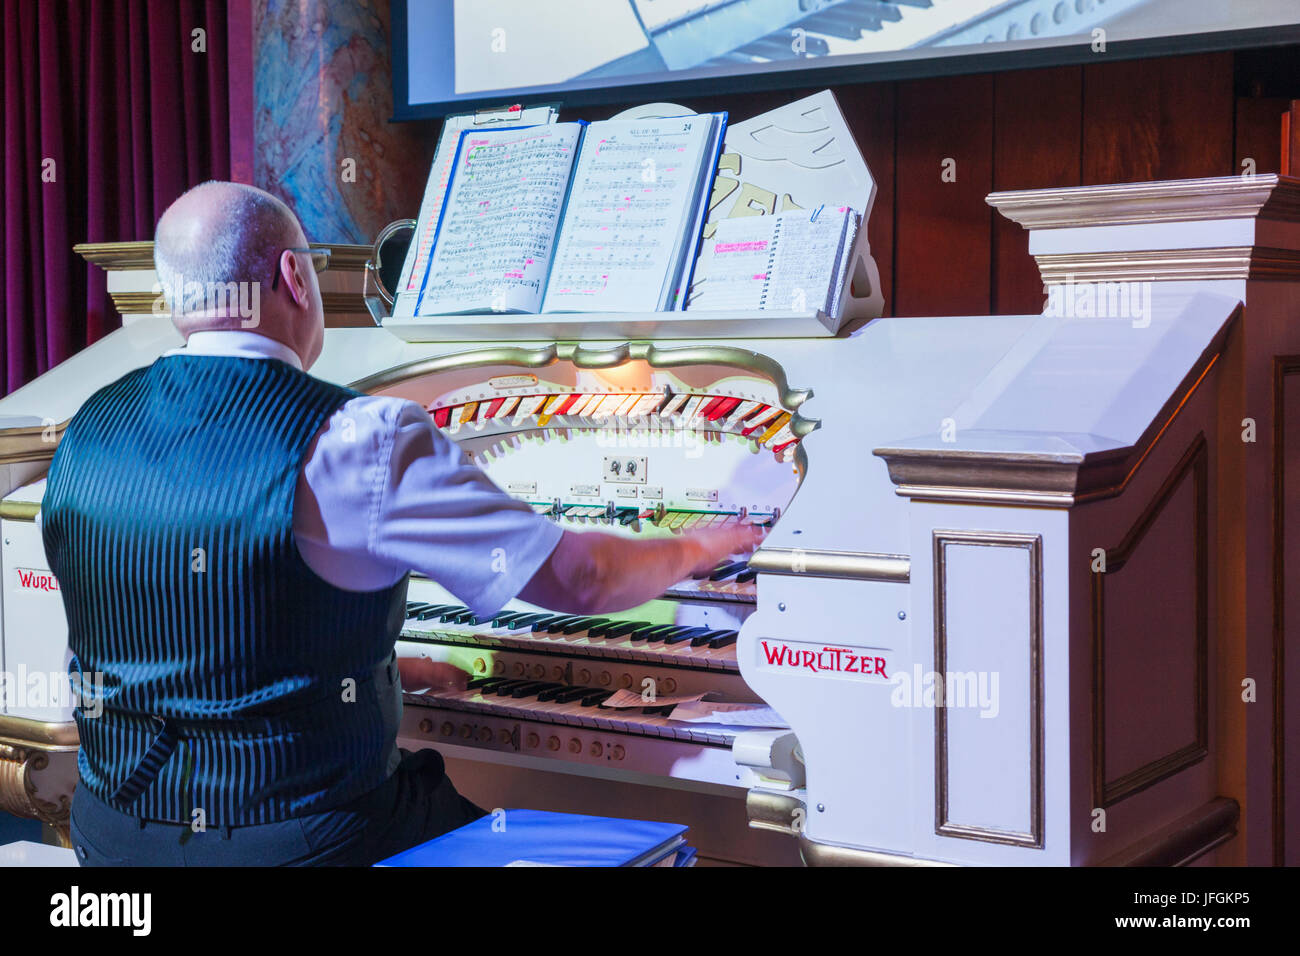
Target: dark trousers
point(415, 804)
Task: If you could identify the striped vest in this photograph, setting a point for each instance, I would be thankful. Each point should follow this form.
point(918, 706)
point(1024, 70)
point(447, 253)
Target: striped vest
point(239, 687)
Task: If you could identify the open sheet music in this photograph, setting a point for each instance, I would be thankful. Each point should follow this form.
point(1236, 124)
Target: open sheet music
point(571, 217)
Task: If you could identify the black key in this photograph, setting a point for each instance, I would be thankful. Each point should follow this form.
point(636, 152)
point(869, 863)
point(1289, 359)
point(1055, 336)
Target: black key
point(727, 570)
point(484, 684)
point(505, 617)
point(415, 607)
point(545, 621)
point(583, 624)
point(643, 633)
point(526, 621)
point(744, 577)
point(436, 610)
point(658, 711)
point(626, 627)
point(598, 630)
point(672, 632)
point(571, 694)
point(687, 634)
point(555, 626)
point(506, 686)
point(596, 697)
point(725, 639)
point(456, 615)
point(554, 691)
point(527, 690)
point(627, 515)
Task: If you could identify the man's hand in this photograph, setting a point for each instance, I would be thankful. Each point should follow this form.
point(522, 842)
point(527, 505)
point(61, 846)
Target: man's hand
point(595, 573)
point(716, 544)
point(421, 674)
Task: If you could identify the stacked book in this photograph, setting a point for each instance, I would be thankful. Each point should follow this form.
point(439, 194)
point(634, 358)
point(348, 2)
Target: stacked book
point(540, 838)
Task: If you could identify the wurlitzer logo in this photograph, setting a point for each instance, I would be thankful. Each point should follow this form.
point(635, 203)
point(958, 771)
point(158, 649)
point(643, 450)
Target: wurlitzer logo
point(824, 660)
point(29, 580)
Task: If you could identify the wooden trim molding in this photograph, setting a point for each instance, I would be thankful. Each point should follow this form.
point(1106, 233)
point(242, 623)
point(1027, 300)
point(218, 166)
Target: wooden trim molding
point(138, 255)
point(1283, 366)
point(1264, 196)
point(31, 443)
point(1107, 792)
point(1167, 265)
point(1185, 840)
point(943, 826)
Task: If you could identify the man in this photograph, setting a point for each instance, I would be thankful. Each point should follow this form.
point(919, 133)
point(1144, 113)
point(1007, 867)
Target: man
point(232, 539)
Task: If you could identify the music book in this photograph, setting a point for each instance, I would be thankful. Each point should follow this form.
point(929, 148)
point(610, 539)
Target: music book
point(572, 217)
point(793, 261)
point(541, 838)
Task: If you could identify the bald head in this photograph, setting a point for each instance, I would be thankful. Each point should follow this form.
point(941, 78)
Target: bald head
point(217, 250)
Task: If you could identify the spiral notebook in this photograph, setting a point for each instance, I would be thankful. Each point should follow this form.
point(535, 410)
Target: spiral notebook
point(790, 262)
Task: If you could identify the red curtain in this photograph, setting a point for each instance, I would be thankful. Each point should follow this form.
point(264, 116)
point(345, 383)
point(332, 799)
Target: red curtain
point(112, 108)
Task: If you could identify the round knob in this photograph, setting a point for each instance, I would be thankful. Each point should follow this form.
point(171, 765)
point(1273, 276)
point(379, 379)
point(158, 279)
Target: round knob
point(539, 671)
point(466, 731)
point(605, 678)
point(426, 726)
point(447, 728)
point(584, 676)
point(532, 741)
point(519, 668)
point(575, 745)
point(625, 680)
point(498, 668)
point(669, 685)
point(617, 752)
point(557, 673)
point(485, 735)
point(553, 743)
point(505, 737)
point(480, 666)
point(596, 748)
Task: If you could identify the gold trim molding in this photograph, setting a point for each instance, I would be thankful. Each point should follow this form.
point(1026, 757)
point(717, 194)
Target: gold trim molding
point(138, 255)
point(851, 565)
point(943, 826)
point(29, 443)
point(598, 358)
point(775, 811)
point(1106, 793)
point(828, 854)
point(1266, 196)
point(1162, 265)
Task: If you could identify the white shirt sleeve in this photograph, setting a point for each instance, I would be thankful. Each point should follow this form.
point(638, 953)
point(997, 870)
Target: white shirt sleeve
point(383, 491)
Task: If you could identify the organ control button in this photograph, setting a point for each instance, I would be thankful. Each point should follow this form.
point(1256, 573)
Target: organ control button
point(466, 731)
point(539, 671)
point(485, 735)
point(426, 726)
point(480, 666)
point(575, 745)
point(584, 676)
point(670, 685)
point(617, 752)
point(557, 672)
point(447, 728)
point(518, 669)
point(605, 678)
point(533, 741)
point(596, 748)
point(625, 680)
point(504, 736)
point(553, 743)
point(498, 667)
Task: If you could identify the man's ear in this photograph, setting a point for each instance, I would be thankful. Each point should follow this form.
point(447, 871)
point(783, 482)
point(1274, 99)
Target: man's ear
point(294, 278)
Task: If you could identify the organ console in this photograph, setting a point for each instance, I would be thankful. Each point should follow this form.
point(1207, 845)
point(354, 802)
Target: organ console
point(1001, 603)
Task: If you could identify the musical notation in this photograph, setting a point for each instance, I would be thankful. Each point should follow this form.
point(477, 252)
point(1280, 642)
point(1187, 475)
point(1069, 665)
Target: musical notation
point(498, 224)
point(630, 220)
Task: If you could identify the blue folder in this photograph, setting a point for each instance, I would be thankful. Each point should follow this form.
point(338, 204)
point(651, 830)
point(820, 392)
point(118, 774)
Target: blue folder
point(540, 838)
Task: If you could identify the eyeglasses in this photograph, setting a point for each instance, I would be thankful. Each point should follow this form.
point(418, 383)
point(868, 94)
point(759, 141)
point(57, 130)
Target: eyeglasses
point(320, 260)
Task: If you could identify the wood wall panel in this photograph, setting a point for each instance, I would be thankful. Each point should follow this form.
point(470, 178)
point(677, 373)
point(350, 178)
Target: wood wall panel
point(1258, 133)
point(942, 247)
point(870, 111)
point(1036, 143)
point(1169, 118)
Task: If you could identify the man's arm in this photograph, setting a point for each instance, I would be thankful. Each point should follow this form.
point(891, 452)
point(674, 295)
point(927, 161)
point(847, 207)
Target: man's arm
point(593, 572)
